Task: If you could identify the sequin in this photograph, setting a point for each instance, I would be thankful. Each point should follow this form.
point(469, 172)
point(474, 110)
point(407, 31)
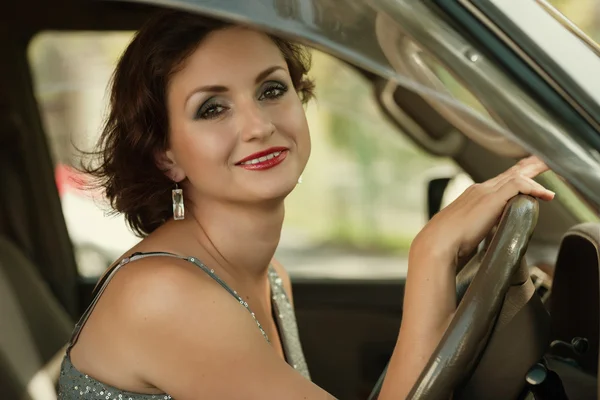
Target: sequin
point(288, 327)
point(71, 380)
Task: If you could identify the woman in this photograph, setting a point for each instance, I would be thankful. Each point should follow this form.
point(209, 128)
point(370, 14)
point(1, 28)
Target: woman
point(205, 139)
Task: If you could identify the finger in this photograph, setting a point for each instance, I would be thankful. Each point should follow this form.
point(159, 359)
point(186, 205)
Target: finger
point(532, 168)
point(492, 183)
point(524, 185)
point(528, 160)
point(523, 164)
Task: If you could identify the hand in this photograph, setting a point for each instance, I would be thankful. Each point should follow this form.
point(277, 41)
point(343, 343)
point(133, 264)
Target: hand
point(457, 229)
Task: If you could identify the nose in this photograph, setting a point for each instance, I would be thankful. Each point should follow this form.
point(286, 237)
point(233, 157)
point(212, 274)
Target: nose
point(255, 122)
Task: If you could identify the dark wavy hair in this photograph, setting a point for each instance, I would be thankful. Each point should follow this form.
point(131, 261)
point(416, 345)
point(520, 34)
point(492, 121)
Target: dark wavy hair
point(123, 163)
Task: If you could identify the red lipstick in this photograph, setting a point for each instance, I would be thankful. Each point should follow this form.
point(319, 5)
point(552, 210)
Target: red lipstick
point(265, 159)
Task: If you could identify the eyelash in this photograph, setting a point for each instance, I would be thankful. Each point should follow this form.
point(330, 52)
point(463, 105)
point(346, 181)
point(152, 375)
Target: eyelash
point(207, 110)
point(211, 109)
point(274, 87)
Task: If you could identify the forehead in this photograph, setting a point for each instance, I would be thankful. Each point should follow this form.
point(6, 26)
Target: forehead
point(231, 53)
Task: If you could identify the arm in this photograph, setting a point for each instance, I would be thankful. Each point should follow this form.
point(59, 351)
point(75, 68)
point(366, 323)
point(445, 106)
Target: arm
point(429, 304)
point(430, 295)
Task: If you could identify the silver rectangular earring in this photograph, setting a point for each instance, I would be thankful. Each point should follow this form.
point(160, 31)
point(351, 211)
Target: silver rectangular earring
point(178, 208)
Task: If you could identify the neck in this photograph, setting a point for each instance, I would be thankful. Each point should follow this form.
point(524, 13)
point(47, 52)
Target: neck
point(241, 239)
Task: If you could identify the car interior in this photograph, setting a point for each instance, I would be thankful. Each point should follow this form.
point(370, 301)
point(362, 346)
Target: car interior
point(348, 327)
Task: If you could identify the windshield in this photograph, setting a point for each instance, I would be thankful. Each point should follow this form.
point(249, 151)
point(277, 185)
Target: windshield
point(389, 38)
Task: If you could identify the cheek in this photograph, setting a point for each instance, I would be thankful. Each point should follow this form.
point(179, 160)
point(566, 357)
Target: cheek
point(202, 149)
point(291, 121)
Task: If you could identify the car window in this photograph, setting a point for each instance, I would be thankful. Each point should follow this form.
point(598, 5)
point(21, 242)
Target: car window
point(71, 72)
point(360, 203)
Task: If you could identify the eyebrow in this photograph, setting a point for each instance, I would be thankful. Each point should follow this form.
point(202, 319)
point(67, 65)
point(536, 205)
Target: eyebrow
point(223, 89)
point(266, 73)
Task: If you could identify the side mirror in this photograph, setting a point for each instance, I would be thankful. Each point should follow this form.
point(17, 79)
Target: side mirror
point(435, 194)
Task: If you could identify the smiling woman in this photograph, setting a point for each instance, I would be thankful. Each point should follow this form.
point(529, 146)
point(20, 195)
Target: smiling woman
point(210, 116)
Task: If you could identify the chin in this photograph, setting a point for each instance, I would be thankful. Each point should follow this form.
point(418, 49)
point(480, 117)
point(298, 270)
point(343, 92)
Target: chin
point(273, 190)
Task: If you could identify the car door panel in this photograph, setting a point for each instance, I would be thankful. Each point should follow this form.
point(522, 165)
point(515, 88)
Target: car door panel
point(348, 330)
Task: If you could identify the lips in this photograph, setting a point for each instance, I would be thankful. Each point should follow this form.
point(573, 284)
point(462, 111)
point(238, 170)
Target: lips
point(264, 159)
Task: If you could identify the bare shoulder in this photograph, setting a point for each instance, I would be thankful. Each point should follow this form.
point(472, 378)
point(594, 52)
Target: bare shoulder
point(141, 295)
point(156, 284)
point(285, 277)
point(192, 339)
point(163, 291)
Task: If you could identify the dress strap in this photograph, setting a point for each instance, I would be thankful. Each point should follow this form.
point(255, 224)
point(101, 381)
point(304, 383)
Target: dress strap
point(138, 256)
point(284, 315)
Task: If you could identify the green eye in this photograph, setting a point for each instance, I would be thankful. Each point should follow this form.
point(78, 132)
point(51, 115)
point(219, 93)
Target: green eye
point(210, 110)
point(273, 90)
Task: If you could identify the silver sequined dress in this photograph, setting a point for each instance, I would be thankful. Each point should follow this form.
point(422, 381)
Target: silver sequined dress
point(76, 385)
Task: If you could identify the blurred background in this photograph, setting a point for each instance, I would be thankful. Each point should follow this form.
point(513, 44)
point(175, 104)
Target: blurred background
point(363, 196)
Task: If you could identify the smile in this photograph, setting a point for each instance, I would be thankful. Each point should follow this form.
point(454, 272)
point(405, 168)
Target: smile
point(264, 160)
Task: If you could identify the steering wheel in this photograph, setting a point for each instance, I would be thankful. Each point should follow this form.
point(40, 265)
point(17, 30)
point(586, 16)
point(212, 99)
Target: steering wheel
point(467, 336)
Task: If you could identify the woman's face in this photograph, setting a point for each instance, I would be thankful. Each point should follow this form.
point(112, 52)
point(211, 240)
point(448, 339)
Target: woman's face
point(238, 131)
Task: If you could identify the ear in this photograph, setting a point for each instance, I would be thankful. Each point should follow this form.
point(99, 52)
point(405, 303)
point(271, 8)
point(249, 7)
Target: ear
point(165, 161)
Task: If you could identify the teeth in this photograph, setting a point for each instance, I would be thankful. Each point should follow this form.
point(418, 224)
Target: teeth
point(262, 159)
